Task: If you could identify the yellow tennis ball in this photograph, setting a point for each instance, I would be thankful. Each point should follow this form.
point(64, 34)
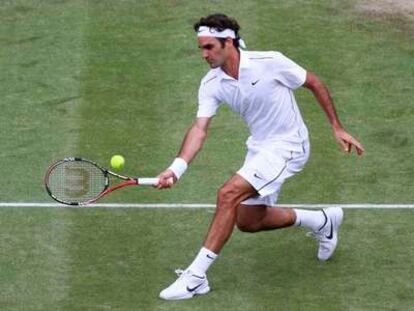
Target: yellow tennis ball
point(117, 162)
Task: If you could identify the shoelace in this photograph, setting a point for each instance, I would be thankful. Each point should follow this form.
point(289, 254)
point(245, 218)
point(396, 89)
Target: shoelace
point(179, 272)
point(317, 235)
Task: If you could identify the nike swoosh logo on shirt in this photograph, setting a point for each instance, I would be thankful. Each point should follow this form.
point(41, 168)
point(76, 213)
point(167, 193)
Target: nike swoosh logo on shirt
point(194, 288)
point(255, 82)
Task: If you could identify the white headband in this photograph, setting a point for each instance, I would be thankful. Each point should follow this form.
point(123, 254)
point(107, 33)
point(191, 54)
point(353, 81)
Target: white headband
point(204, 31)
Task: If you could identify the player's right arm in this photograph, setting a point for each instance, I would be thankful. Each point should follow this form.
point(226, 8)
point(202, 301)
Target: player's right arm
point(192, 143)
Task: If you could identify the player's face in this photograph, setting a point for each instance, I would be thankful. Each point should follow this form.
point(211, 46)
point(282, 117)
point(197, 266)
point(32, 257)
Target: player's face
point(212, 51)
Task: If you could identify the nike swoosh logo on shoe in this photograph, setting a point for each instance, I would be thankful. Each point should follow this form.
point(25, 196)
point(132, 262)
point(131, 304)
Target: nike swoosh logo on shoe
point(330, 236)
point(190, 290)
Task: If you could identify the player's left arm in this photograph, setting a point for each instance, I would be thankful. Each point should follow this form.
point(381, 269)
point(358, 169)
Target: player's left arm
point(320, 91)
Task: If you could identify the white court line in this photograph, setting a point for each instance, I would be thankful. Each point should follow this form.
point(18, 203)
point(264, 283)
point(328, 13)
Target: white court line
point(195, 205)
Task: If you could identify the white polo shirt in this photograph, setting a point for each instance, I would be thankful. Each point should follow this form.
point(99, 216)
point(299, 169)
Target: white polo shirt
point(262, 96)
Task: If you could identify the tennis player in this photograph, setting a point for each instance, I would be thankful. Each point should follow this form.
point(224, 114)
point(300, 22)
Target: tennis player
point(259, 86)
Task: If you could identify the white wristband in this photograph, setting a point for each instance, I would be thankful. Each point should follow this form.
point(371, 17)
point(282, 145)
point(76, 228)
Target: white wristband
point(179, 166)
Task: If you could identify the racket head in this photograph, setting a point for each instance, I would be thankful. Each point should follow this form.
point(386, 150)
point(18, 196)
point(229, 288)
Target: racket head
point(76, 181)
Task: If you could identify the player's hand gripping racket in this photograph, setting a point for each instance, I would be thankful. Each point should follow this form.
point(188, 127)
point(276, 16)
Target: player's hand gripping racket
point(77, 181)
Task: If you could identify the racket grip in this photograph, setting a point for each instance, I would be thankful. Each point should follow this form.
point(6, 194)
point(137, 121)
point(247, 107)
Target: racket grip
point(148, 181)
point(151, 181)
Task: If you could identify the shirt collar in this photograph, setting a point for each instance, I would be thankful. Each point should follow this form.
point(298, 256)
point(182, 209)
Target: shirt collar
point(244, 63)
point(244, 60)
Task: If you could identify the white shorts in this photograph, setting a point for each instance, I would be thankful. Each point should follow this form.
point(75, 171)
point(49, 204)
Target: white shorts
point(267, 167)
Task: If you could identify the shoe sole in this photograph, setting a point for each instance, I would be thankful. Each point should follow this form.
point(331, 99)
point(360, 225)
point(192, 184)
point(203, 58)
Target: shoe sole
point(199, 291)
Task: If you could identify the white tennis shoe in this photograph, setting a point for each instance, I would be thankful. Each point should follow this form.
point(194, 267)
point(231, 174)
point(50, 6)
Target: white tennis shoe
point(186, 286)
point(328, 234)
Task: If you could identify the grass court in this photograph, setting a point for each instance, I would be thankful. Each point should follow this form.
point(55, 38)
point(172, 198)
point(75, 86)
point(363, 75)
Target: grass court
point(97, 78)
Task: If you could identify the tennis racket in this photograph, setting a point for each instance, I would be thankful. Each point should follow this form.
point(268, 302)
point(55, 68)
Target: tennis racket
point(78, 181)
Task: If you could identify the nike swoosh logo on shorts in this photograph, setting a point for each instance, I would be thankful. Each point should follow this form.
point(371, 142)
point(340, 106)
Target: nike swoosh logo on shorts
point(257, 176)
point(194, 288)
point(255, 82)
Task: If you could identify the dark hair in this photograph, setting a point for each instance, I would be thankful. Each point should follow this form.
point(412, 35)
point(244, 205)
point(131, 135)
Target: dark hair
point(220, 22)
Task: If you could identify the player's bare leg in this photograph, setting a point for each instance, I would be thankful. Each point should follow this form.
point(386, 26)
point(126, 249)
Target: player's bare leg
point(193, 281)
point(229, 197)
point(324, 224)
point(254, 218)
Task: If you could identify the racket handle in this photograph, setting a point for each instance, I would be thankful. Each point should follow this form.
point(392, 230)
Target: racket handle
point(151, 181)
point(148, 181)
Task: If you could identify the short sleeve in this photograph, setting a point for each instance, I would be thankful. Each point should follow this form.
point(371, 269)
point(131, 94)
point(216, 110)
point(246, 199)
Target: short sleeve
point(288, 72)
point(207, 103)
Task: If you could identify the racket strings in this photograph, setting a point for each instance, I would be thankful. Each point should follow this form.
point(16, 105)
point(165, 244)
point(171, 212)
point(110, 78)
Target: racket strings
point(76, 181)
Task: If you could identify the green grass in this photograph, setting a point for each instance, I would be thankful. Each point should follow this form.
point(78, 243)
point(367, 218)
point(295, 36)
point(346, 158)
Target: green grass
point(97, 78)
point(95, 259)
point(92, 78)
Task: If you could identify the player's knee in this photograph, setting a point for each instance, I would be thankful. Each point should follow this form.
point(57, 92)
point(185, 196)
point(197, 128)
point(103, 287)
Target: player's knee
point(227, 196)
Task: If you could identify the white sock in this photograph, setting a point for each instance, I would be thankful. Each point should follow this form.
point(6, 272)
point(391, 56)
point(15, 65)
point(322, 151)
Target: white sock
point(314, 220)
point(202, 261)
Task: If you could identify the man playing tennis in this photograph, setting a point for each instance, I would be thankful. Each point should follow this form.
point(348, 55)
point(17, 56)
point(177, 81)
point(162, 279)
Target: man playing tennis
point(259, 86)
